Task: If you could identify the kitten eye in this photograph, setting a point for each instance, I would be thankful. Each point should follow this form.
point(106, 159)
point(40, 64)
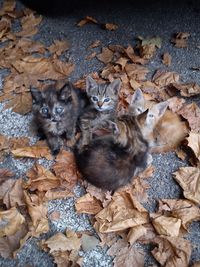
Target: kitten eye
point(139, 110)
point(59, 110)
point(69, 99)
point(151, 115)
point(107, 99)
point(44, 110)
point(94, 98)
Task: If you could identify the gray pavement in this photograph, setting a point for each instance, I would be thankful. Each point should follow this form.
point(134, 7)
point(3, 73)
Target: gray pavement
point(146, 18)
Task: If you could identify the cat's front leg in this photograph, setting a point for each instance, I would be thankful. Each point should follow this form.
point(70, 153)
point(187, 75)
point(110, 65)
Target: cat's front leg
point(71, 136)
point(55, 143)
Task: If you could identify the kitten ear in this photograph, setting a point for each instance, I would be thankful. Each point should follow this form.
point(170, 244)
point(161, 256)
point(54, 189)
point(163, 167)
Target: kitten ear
point(161, 108)
point(65, 91)
point(137, 97)
point(115, 86)
point(90, 83)
point(36, 95)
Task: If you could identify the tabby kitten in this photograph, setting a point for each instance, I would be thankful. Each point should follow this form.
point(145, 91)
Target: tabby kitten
point(111, 161)
point(103, 105)
point(56, 113)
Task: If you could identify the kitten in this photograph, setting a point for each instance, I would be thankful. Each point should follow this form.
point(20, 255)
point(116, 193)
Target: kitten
point(163, 129)
point(56, 113)
point(111, 161)
point(103, 105)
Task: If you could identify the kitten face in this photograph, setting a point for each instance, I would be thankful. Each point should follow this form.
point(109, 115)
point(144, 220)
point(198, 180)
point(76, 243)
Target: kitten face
point(137, 104)
point(52, 105)
point(104, 97)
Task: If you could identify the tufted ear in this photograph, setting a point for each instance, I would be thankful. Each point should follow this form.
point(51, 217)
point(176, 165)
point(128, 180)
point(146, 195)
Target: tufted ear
point(90, 84)
point(36, 95)
point(65, 91)
point(115, 86)
point(137, 97)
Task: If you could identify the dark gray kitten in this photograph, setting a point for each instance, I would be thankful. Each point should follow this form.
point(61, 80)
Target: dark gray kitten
point(103, 104)
point(56, 113)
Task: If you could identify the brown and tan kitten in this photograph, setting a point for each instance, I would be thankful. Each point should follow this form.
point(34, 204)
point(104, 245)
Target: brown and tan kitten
point(56, 113)
point(111, 161)
point(103, 104)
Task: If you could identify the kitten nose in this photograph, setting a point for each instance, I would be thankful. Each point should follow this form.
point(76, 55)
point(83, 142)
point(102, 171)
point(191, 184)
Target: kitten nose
point(100, 104)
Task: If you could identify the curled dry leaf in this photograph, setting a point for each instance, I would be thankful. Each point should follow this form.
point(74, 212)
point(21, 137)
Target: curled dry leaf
point(94, 44)
point(135, 233)
point(13, 193)
point(148, 46)
point(65, 168)
point(189, 180)
point(194, 143)
point(88, 204)
point(180, 39)
point(130, 53)
point(29, 25)
point(191, 112)
point(8, 6)
point(187, 89)
point(86, 20)
point(167, 59)
point(106, 55)
point(110, 26)
point(136, 72)
point(172, 251)
point(4, 27)
point(166, 225)
point(163, 78)
point(38, 214)
point(20, 103)
point(123, 212)
point(58, 47)
point(35, 151)
point(10, 221)
point(183, 209)
point(41, 179)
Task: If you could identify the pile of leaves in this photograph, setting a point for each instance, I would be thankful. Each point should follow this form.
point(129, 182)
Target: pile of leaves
point(120, 220)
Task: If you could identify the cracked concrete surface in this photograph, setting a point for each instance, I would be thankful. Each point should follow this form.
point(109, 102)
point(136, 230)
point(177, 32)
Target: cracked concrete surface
point(146, 18)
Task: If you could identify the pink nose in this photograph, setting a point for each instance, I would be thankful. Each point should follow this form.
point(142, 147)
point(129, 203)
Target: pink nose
point(100, 104)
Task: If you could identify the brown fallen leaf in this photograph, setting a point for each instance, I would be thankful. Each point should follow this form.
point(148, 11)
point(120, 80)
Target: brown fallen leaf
point(111, 26)
point(86, 20)
point(154, 91)
point(38, 214)
point(8, 6)
point(126, 255)
point(41, 179)
point(163, 78)
point(5, 26)
point(94, 44)
point(89, 242)
point(29, 25)
point(167, 59)
point(172, 251)
point(182, 209)
point(180, 39)
point(136, 72)
point(88, 204)
point(12, 193)
point(175, 103)
point(166, 225)
point(35, 151)
point(189, 180)
point(135, 233)
point(55, 215)
point(187, 89)
point(10, 221)
point(194, 143)
point(130, 53)
point(147, 47)
point(123, 212)
point(10, 244)
point(191, 112)
point(91, 56)
point(65, 168)
point(58, 47)
point(106, 55)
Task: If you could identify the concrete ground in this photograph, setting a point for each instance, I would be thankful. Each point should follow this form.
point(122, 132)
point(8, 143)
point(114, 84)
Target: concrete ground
point(144, 18)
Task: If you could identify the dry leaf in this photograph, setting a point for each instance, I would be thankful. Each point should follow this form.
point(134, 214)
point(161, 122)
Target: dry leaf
point(106, 55)
point(189, 180)
point(91, 56)
point(21, 103)
point(13, 194)
point(148, 46)
point(180, 208)
point(29, 24)
point(65, 167)
point(88, 204)
point(41, 179)
point(135, 233)
point(191, 112)
point(111, 26)
point(35, 151)
point(180, 39)
point(163, 78)
point(164, 225)
point(38, 214)
point(10, 221)
point(94, 44)
point(86, 20)
point(172, 251)
point(194, 143)
point(167, 59)
point(123, 212)
point(58, 47)
point(187, 89)
point(136, 72)
point(130, 53)
point(8, 6)
point(54, 216)
point(89, 242)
